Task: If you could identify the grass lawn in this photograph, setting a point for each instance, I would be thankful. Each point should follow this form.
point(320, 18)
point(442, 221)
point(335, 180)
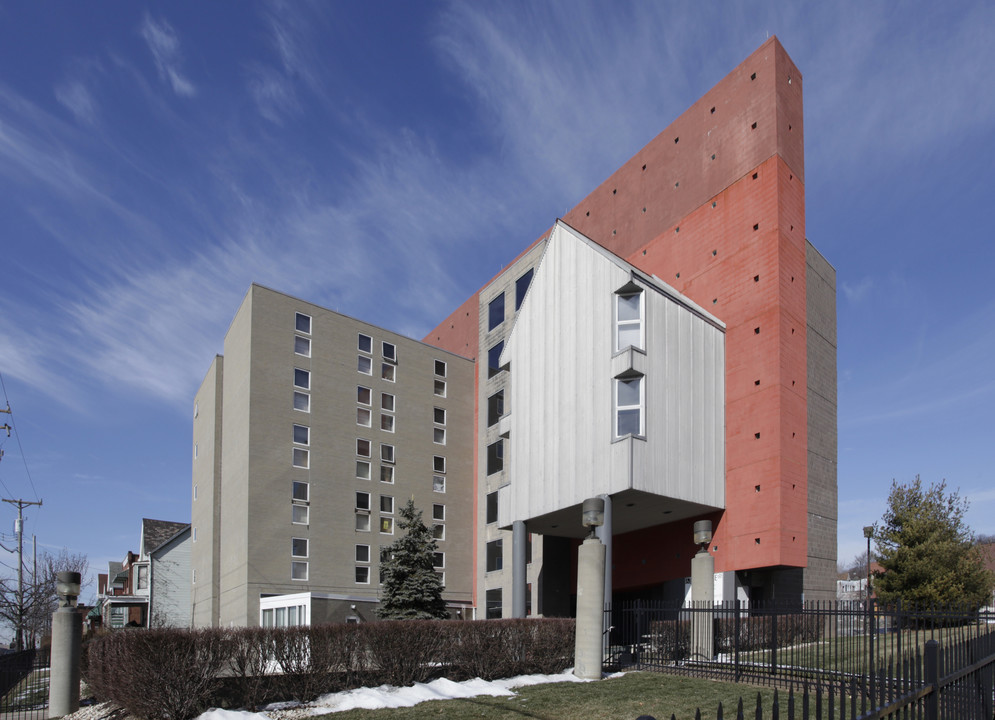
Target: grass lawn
point(622, 698)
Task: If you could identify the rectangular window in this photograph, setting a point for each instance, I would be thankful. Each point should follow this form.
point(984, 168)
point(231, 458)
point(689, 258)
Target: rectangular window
point(440, 368)
point(362, 553)
point(439, 415)
point(388, 372)
point(439, 464)
point(302, 379)
point(628, 404)
point(438, 559)
point(495, 312)
point(495, 408)
point(363, 395)
point(389, 351)
point(362, 500)
point(494, 359)
point(439, 436)
point(143, 577)
point(302, 401)
point(386, 453)
point(439, 483)
point(303, 323)
point(387, 473)
point(387, 402)
point(522, 286)
point(387, 423)
point(364, 365)
point(495, 555)
point(299, 514)
point(387, 504)
point(298, 547)
point(495, 457)
point(363, 574)
point(302, 434)
point(440, 388)
point(298, 571)
point(300, 491)
point(492, 507)
point(362, 447)
point(362, 522)
point(302, 346)
point(386, 526)
point(439, 532)
point(628, 320)
point(438, 512)
point(362, 470)
point(302, 458)
point(365, 343)
point(363, 417)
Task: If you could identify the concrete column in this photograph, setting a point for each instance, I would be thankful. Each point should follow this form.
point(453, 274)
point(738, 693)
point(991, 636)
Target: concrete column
point(703, 602)
point(67, 642)
point(604, 534)
point(519, 584)
point(588, 655)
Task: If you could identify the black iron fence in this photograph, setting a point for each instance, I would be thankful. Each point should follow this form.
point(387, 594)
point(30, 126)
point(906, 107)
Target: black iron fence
point(24, 684)
point(835, 660)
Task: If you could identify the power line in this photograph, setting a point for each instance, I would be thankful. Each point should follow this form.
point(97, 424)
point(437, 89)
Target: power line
point(17, 436)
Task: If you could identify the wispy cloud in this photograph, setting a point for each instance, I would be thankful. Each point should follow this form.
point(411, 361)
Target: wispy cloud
point(857, 292)
point(76, 98)
point(165, 48)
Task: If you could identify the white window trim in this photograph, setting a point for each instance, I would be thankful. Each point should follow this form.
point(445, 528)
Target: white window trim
point(368, 573)
point(390, 376)
point(383, 351)
point(307, 488)
point(369, 417)
point(441, 477)
point(306, 339)
point(641, 406)
point(439, 505)
point(638, 322)
point(369, 445)
point(310, 323)
point(369, 369)
point(368, 501)
point(381, 523)
point(435, 387)
point(306, 443)
point(308, 373)
point(384, 452)
point(391, 473)
point(369, 392)
point(307, 458)
point(436, 470)
point(359, 345)
point(304, 394)
point(307, 570)
point(436, 430)
point(445, 368)
point(369, 553)
point(307, 548)
point(306, 509)
point(387, 497)
point(392, 423)
point(369, 466)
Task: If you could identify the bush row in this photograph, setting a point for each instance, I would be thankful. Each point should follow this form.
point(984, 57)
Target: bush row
point(176, 674)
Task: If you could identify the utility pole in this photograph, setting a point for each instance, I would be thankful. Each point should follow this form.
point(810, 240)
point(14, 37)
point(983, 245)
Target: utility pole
point(19, 529)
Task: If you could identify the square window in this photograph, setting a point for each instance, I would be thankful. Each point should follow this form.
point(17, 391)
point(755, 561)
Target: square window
point(362, 447)
point(389, 351)
point(298, 570)
point(299, 514)
point(439, 415)
point(522, 286)
point(438, 512)
point(387, 402)
point(439, 483)
point(303, 323)
point(494, 359)
point(438, 559)
point(300, 491)
point(302, 401)
point(492, 507)
point(440, 388)
point(298, 547)
point(362, 553)
point(302, 379)
point(364, 365)
point(495, 555)
point(362, 500)
point(388, 372)
point(495, 457)
point(387, 526)
point(495, 312)
point(363, 417)
point(362, 522)
point(365, 343)
point(439, 532)
point(363, 574)
point(387, 504)
point(439, 464)
point(363, 395)
point(302, 345)
point(440, 368)
point(386, 453)
point(387, 473)
point(439, 436)
point(495, 408)
point(387, 423)
point(362, 470)
point(302, 434)
point(302, 458)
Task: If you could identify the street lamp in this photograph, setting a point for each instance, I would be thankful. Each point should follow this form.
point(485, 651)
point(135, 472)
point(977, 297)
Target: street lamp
point(868, 533)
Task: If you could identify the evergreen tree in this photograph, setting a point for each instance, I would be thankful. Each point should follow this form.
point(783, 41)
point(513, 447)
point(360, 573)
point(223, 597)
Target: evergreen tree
point(411, 589)
point(928, 551)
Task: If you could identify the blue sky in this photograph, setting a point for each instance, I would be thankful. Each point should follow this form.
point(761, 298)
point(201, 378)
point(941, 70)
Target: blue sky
point(385, 159)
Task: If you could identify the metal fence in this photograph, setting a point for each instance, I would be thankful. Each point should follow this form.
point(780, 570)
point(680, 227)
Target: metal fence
point(839, 660)
point(24, 685)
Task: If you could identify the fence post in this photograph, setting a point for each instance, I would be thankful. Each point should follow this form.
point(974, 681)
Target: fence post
point(871, 631)
point(735, 640)
point(932, 679)
point(773, 641)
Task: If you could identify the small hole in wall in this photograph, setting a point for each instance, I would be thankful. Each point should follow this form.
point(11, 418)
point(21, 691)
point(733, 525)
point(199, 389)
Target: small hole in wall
point(756, 541)
point(756, 382)
point(792, 435)
point(714, 300)
point(756, 488)
point(678, 275)
point(792, 331)
point(753, 126)
point(644, 167)
point(792, 486)
point(713, 156)
point(677, 184)
point(789, 130)
point(676, 140)
point(715, 548)
point(713, 203)
point(756, 278)
point(756, 436)
point(644, 252)
point(753, 76)
point(790, 176)
point(755, 176)
point(613, 232)
point(792, 278)
point(789, 79)
point(644, 209)
point(713, 111)
point(756, 226)
point(756, 331)
point(614, 190)
point(714, 253)
point(792, 383)
point(792, 228)
point(677, 229)
point(589, 213)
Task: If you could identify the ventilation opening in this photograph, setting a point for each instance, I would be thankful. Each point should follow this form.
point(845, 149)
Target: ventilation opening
point(754, 176)
point(756, 436)
point(678, 275)
point(676, 140)
point(677, 229)
point(756, 226)
point(714, 253)
point(713, 203)
point(614, 190)
point(756, 331)
point(644, 209)
point(753, 76)
point(756, 382)
point(713, 156)
point(753, 126)
point(713, 111)
point(589, 213)
point(644, 167)
point(756, 488)
point(714, 300)
point(756, 278)
point(756, 541)
point(677, 184)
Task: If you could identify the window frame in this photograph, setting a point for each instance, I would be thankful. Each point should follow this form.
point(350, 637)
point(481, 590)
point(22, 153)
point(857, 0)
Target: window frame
point(438, 512)
point(305, 510)
point(359, 343)
point(364, 368)
point(389, 503)
point(363, 494)
point(369, 448)
point(298, 339)
point(362, 570)
point(369, 554)
point(387, 453)
point(306, 435)
point(307, 401)
point(495, 312)
point(392, 356)
point(640, 406)
point(520, 291)
point(445, 368)
point(494, 356)
point(297, 484)
point(439, 385)
point(294, 541)
point(296, 565)
point(305, 375)
point(297, 323)
point(388, 372)
point(629, 323)
point(388, 470)
point(441, 481)
point(369, 469)
point(304, 455)
point(436, 464)
point(387, 399)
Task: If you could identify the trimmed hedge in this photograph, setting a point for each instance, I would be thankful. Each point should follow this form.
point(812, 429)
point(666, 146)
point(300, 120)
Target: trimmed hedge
point(177, 674)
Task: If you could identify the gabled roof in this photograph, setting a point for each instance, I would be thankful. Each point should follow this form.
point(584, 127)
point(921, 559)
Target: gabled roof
point(157, 532)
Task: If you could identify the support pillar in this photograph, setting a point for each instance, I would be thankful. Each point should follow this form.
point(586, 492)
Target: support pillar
point(67, 643)
point(519, 584)
point(588, 654)
point(702, 605)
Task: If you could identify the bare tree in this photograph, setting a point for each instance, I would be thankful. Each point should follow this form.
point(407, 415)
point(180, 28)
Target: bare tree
point(35, 607)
